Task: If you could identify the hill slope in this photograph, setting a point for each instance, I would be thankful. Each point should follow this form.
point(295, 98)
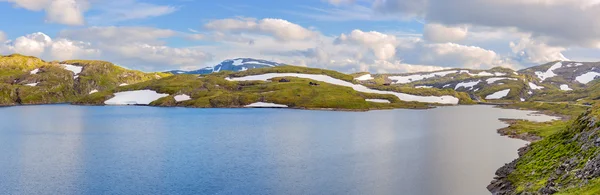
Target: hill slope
point(30, 80)
point(304, 89)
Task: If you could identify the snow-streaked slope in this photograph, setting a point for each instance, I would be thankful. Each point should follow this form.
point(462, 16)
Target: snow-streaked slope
point(467, 85)
point(365, 77)
point(549, 73)
point(139, 97)
point(498, 95)
point(379, 101)
point(265, 105)
point(360, 88)
point(235, 65)
point(587, 77)
point(181, 98)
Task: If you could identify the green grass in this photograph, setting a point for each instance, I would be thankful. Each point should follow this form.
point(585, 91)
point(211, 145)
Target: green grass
point(592, 188)
point(563, 142)
point(541, 129)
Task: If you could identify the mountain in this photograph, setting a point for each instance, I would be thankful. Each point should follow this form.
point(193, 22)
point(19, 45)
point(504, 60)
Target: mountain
point(234, 65)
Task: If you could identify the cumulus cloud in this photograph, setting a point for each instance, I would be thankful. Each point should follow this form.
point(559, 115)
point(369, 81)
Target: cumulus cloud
point(382, 45)
point(131, 46)
point(441, 34)
point(281, 29)
point(69, 12)
point(144, 47)
point(529, 50)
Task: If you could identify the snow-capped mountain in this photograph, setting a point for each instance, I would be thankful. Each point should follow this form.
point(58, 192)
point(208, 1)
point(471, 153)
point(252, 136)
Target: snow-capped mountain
point(235, 65)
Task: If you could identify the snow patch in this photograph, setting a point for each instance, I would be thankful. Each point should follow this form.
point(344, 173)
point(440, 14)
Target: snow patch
point(123, 84)
point(587, 77)
point(265, 105)
point(565, 87)
point(365, 77)
point(32, 84)
point(379, 101)
point(181, 98)
point(35, 71)
point(244, 69)
point(493, 80)
point(522, 99)
point(75, 69)
point(423, 87)
point(534, 86)
point(498, 95)
point(238, 62)
point(550, 72)
point(466, 85)
point(139, 97)
point(93, 91)
point(324, 78)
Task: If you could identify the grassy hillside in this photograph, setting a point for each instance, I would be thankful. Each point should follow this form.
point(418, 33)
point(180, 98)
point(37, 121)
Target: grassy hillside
point(50, 82)
point(566, 161)
point(213, 91)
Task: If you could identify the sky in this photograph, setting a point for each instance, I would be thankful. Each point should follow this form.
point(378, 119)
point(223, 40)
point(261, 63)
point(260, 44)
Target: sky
point(378, 36)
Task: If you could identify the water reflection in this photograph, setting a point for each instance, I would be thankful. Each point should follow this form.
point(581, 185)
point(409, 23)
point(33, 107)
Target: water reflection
point(143, 150)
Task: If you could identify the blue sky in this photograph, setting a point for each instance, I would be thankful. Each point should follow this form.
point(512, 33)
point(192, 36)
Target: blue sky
point(345, 35)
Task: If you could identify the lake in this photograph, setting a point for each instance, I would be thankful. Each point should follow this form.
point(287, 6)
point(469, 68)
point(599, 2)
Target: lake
point(64, 149)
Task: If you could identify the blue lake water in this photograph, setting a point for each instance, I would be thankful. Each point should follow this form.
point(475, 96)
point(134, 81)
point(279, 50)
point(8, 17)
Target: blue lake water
point(63, 149)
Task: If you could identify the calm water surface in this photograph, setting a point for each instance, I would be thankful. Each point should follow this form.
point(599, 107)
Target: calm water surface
point(62, 149)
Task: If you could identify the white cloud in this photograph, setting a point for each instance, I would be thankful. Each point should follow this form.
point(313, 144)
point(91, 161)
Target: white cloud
point(382, 45)
point(64, 49)
point(278, 28)
point(69, 12)
point(33, 44)
point(113, 11)
point(532, 51)
point(455, 55)
point(441, 34)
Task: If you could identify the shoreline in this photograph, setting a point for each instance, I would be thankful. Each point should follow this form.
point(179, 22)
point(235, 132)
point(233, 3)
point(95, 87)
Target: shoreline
point(500, 185)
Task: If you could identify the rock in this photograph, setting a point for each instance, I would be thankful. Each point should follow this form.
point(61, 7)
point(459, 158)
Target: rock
point(284, 80)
